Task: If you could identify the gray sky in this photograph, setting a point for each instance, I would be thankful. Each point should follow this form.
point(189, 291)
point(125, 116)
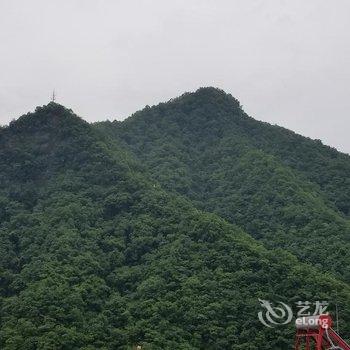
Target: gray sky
point(288, 62)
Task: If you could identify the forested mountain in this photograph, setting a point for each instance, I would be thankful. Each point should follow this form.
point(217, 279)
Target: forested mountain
point(282, 188)
point(108, 242)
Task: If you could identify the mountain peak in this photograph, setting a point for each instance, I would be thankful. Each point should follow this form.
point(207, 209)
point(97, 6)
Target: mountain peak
point(194, 110)
point(210, 91)
point(53, 109)
point(209, 95)
point(52, 115)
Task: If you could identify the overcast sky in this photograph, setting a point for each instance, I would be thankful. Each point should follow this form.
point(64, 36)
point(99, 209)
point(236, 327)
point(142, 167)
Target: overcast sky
point(287, 61)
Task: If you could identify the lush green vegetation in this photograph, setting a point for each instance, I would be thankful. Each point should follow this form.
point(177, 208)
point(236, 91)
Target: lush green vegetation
point(286, 190)
point(97, 254)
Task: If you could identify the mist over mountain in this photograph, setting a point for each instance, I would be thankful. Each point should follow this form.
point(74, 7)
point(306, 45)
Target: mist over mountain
point(165, 229)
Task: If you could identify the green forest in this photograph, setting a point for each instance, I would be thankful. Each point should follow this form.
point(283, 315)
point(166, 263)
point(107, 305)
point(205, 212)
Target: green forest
point(164, 230)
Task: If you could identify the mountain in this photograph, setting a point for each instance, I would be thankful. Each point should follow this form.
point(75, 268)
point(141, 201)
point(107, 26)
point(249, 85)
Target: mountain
point(97, 251)
point(286, 190)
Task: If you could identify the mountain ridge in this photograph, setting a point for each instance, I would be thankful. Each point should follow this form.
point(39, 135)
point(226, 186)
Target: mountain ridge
point(96, 254)
point(189, 147)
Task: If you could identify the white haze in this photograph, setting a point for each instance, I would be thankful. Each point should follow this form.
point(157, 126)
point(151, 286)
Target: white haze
point(286, 61)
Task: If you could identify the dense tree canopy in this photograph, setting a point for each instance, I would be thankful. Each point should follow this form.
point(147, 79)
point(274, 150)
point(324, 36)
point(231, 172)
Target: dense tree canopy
point(286, 190)
point(101, 251)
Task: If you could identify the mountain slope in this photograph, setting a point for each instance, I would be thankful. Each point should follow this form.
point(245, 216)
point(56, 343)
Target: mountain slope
point(288, 191)
point(95, 255)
